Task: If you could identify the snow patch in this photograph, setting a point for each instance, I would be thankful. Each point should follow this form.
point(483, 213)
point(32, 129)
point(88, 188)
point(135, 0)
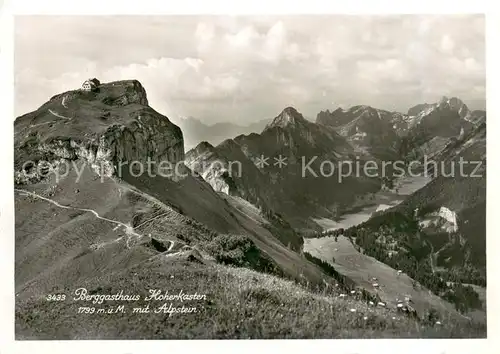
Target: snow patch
point(382, 207)
point(445, 218)
point(450, 216)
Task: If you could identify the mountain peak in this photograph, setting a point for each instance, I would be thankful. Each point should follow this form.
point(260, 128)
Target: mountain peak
point(288, 117)
point(451, 101)
point(443, 99)
point(204, 145)
point(122, 93)
point(455, 104)
point(97, 125)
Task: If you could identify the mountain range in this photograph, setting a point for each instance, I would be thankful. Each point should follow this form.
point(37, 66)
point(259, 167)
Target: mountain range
point(196, 131)
point(89, 214)
point(361, 133)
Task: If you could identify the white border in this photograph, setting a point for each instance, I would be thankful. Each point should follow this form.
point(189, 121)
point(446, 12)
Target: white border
point(8, 345)
point(148, 7)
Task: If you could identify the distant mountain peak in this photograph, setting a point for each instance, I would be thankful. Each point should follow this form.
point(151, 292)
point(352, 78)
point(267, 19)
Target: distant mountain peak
point(288, 117)
point(205, 145)
point(443, 99)
point(452, 101)
point(454, 104)
point(229, 144)
point(363, 107)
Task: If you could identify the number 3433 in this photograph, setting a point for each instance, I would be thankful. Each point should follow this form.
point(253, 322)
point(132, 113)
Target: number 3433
point(56, 297)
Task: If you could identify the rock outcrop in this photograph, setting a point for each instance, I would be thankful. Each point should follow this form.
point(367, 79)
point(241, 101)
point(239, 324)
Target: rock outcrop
point(214, 169)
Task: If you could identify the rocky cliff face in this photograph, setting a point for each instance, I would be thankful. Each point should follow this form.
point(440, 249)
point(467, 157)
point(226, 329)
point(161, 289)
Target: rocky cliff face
point(228, 170)
point(428, 128)
point(214, 169)
point(106, 128)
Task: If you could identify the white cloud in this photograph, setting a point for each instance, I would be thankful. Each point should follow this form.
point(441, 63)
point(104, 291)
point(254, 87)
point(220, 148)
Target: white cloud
point(243, 38)
point(381, 71)
point(205, 33)
point(468, 68)
point(424, 26)
point(447, 44)
point(275, 42)
point(219, 67)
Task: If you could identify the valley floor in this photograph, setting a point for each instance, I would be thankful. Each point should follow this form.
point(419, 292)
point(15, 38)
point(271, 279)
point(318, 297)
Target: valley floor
point(380, 201)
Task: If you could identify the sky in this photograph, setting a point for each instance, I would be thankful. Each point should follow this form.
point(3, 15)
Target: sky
point(244, 69)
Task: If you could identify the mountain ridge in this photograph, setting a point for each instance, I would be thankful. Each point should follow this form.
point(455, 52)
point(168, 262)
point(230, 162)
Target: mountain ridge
point(108, 228)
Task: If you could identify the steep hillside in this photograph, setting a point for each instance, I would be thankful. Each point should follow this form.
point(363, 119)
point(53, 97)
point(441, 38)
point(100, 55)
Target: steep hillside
point(477, 117)
point(464, 194)
point(230, 172)
point(288, 188)
point(378, 278)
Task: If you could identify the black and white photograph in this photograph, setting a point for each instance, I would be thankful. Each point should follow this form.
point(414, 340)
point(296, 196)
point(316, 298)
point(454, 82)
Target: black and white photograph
point(266, 176)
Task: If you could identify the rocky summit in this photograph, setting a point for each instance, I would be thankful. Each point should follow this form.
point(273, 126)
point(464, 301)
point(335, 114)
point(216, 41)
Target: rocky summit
point(104, 127)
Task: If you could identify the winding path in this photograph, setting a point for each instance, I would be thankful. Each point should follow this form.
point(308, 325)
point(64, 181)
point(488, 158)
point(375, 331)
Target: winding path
point(55, 114)
point(36, 125)
point(129, 230)
point(58, 115)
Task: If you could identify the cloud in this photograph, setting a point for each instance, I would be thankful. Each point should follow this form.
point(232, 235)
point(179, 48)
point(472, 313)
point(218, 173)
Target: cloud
point(447, 44)
point(378, 71)
point(221, 68)
point(275, 42)
point(205, 32)
point(243, 38)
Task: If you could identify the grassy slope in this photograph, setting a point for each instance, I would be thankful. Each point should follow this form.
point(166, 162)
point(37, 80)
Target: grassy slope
point(240, 303)
point(54, 245)
point(362, 268)
point(194, 197)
